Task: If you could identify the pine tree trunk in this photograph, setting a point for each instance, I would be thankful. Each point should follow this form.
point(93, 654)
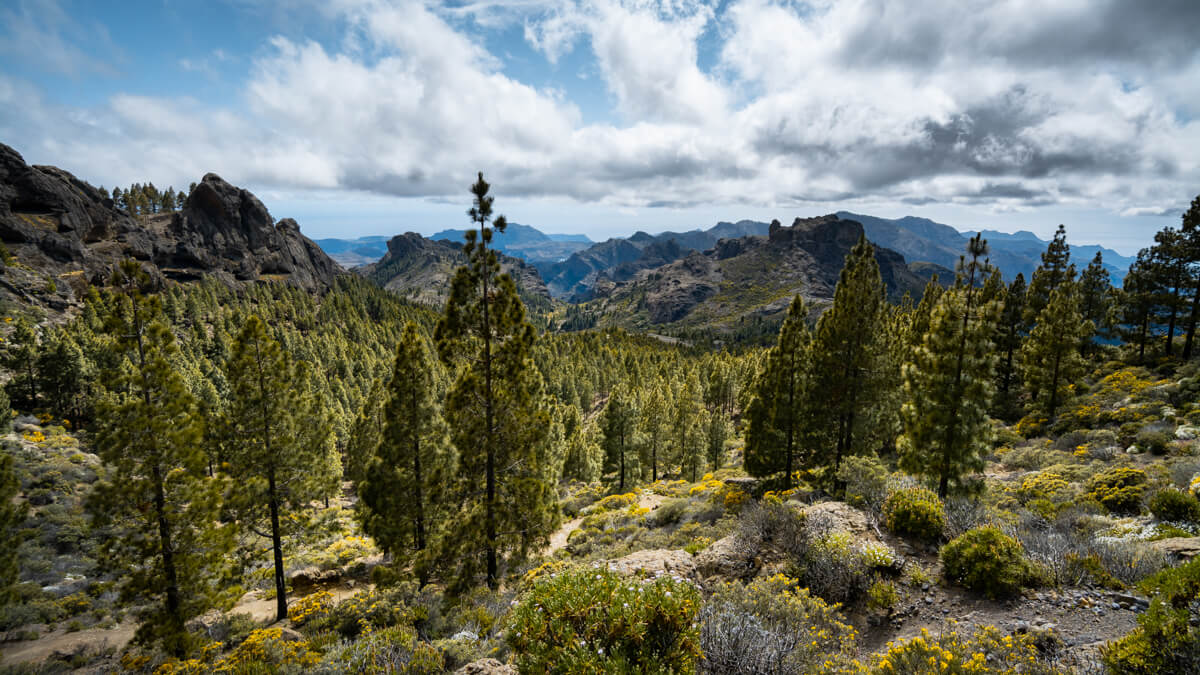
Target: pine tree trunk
point(489, 441)
point(1054, 385)
point(1171, 322)
point(277, 548)
point(172, 600)
point(1191, 331)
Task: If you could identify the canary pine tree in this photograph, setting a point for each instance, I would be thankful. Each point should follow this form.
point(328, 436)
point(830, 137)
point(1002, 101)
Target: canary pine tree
point(847, 360)
point(617, 426)
point(366, 433)
point(495, 411)
point(1055, 270)
point(1095, 292)
point(276, 435)
point(12, 515)
point(1050, 356)
point(777, 419)
point(1010, 331)
point(160, 511)
point(20, 356)
point(652, 427)
point(400, 493)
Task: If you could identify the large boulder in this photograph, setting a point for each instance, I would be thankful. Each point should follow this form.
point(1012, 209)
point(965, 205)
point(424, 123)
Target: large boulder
point(1180, 547)
point(486, 667)
point(727, 558)
point(839, 517)
point(656, 562)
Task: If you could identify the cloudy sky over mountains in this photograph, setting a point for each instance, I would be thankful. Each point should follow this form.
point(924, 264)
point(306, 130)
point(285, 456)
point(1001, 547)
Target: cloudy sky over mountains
point(357, 117)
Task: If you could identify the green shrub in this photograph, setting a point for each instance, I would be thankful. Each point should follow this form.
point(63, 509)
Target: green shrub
point(986, 652)
point(1175, 506)
point(866, 481)
point(391, 650)
point(1154, 442)
point(1167, 637)
point(1119, 489)
point(915, 512)
point(770, 625)
point(986, 560)
point(882, 595)
point(595, 621)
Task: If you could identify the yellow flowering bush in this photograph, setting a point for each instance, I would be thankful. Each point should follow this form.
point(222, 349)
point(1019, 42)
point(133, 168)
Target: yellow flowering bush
point(312, 606)
point(267, 647)
point(350, 548)
point(592, 620)
point(613, 503)
point(915, 512)
point(545, 569)
point(986, 652)
point(34, 437)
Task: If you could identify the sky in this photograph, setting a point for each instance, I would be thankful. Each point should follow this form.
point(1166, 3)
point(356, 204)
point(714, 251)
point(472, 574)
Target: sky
point(604, 117)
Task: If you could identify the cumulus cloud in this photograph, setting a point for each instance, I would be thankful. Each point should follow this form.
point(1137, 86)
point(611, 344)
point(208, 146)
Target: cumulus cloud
point(1010, 105)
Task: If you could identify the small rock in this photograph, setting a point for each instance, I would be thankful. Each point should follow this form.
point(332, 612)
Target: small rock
point(464, 635)
point(929, 599)
point(486, 667)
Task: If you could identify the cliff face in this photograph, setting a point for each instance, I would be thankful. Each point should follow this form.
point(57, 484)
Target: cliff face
point(62, 227)
point(421, 269)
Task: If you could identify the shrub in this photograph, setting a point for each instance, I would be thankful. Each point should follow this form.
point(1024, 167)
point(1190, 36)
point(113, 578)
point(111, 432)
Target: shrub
point(986, 651)
point(1175, 506)
point(882, 595)
point(986, 560)
point(1119, 489)
point(391, 650)
point(596, 621)
point(310, 607)
point(1154, 442)
point(778, 525)
point(1167, 637)
point(770, 626)
point(835, 571)
point(265, 648)
point(915, 512)
point(866, 481)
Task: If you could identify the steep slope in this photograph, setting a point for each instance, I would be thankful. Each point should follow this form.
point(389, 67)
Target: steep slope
point(749, 277)
point(60, 228)
point(421, 270)
point(531, 244)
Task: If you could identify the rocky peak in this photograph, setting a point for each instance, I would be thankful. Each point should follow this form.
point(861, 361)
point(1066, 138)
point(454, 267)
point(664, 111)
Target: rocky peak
point(59, 225)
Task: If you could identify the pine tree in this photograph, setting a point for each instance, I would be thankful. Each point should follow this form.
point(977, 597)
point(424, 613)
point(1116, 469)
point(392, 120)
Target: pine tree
point(777, 416)
point(716, 432)
point(1055, 270)
point(11, 517)
point(1190, 228)
point(495, 409)
point(686, 431)
point(1170, 276)
point(949, 383)
point(20, 356)
point(400, 495)
point(847, 365)
point(366, 433)
point(61, 370)
point(652, 428)
point(617, 425)
point(1095, 292)
point(277, 435)
point(1010, 332)
point(1050, 356)
point(1135, 302)
point(583, 459)
point(162, 512)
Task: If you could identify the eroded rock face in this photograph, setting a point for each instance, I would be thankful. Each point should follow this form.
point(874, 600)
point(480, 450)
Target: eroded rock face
point(656, 562)
point(1185, 548)
point(728, 558)
point(63, 227)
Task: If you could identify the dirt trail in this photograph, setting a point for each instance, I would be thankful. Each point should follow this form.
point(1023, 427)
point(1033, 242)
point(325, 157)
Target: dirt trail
point(263, 609)
point(63, 642)
point(558, 540)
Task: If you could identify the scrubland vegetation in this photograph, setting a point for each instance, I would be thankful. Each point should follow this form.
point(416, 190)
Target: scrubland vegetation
point(265, 480)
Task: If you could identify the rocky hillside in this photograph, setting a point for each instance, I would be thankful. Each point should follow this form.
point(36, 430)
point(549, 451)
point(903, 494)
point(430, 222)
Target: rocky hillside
point(67, 231)
point(421, 269)
point(620, 259)
point(750, 277)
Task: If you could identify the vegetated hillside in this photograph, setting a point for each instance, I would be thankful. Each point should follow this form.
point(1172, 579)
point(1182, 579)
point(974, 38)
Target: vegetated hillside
point(618, 259)
point(747, 279)
point(421, 270)
point(921, 239)
point(527, 243)
point(70, 235)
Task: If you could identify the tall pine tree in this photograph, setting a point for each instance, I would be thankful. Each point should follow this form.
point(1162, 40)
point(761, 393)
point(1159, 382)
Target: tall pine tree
point(1010, 332)
point(949, 383)
point(1095, 294)
point(1055, 270)
point(617, 426)
point(1050, 355)
point(495, 410)
point(400, 493)
point(847, 360)
point(277, 435)
point(160, 510)
point(11, 517)
point(777, 419)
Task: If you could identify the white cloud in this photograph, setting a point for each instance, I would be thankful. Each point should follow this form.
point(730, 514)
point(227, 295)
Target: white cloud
point(999, 105)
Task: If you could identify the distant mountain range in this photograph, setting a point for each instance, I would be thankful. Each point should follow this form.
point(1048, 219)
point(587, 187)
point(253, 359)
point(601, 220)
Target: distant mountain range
point(519, 241)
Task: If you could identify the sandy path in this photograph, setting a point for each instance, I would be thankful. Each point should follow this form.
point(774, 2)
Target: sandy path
point(558, 540)
point(66, 643)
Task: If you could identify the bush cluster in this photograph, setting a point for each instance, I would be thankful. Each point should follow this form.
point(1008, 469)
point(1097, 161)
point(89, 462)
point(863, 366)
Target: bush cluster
point(1167, 637)
point(915, 512)
point(1119, 489)
point(986, 560)
point(590, 620)
point(1175, 506)
point(985, 652)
